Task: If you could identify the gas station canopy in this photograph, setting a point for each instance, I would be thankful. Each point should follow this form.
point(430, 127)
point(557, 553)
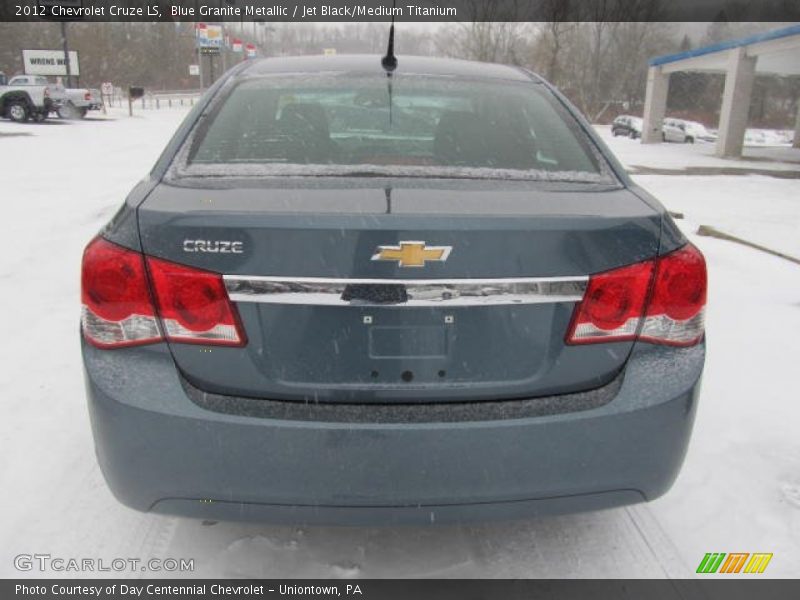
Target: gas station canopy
point(772, 53)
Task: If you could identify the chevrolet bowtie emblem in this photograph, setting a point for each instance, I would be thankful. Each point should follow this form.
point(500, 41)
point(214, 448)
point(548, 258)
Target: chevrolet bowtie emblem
point(412, 254)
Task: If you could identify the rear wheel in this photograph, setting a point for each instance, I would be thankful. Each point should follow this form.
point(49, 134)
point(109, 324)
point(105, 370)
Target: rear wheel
point(689, 140)
point(633, 135)
point(18, 111)
point(68, 111)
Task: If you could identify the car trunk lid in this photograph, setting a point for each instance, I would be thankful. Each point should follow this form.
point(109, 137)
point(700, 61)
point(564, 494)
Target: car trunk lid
point(333, 314)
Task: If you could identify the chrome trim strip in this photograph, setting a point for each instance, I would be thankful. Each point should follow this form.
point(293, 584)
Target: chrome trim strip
point(322, 291)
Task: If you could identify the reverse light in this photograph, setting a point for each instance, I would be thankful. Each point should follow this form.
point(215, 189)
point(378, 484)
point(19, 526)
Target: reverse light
point(676, 311)
point(117, 309)
point(194, 305)
point(660, 301)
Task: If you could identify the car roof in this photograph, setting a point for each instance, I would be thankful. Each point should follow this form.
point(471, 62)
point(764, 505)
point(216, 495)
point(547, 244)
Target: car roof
point(365, 63)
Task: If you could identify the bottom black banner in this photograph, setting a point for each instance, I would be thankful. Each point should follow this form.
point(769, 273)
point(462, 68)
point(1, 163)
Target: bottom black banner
point(389, 589)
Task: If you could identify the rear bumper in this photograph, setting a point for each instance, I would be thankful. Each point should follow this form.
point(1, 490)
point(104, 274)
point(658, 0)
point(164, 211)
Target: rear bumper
point(159, 450)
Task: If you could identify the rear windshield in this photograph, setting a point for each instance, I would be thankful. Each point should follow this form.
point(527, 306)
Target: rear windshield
point(409, 125)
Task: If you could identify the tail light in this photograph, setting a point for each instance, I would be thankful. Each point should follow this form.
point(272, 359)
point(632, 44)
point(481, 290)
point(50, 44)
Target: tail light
point(87, 96)
point(194, 305)
point(660, 301)
point(46, 92)
point(676, 311)
point(119, 309)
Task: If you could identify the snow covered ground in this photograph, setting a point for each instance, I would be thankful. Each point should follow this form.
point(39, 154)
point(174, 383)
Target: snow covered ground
point(636, 155)
point(761, 208)
point(739, 490)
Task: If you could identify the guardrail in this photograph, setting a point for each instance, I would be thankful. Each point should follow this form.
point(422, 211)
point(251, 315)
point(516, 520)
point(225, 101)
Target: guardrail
point(157, 100)
point(169, 99)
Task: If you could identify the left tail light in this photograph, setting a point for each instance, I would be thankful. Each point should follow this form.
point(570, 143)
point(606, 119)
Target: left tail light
point(194, 305)
point(117, 307)
point(87, 96)
point(120, 298)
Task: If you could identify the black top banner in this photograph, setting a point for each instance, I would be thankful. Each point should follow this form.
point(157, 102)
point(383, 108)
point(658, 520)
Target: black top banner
point(401, 10)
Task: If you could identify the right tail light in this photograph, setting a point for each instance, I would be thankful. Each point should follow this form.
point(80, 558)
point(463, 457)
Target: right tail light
point(661, 301)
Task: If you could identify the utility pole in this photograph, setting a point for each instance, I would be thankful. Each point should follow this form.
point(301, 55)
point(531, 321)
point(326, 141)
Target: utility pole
point(199, 63)
point(224, 47)
point(65, 45)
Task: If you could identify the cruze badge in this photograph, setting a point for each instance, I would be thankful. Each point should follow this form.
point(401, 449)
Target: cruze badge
point(412, 254)
point(213, 246)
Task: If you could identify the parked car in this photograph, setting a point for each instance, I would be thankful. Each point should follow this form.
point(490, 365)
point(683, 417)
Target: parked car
point(95, 99)
point(22, 99)
point(680, 130)
point(628, 126)
point(289, 320)
point(677, 130)
point(80, 102)
point(698, 132)
point(70, 103)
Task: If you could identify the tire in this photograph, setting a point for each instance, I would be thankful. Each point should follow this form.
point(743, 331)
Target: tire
point(689, 140)
point(633, 135)
point(68, 111)
point(663, 137)
point(18, 111)
point(82, 112)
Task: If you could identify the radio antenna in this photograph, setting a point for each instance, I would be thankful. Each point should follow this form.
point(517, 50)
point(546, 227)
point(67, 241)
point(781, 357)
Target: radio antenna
point(389, 62)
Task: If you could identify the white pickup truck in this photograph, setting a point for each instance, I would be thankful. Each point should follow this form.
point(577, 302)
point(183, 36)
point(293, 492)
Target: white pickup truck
point(69, 103)
point(20, 102)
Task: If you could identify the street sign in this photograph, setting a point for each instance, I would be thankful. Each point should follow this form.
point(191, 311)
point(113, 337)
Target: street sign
point(214, 36)
point(236, 45)
point(251, 50)
point(49, 62)
point(194, 70)
point(209, 36)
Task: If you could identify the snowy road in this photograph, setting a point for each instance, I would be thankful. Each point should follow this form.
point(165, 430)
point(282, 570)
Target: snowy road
point(739, 489)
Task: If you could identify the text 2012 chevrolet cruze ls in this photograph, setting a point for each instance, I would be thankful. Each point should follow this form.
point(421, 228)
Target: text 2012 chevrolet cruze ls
point(346, 297)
